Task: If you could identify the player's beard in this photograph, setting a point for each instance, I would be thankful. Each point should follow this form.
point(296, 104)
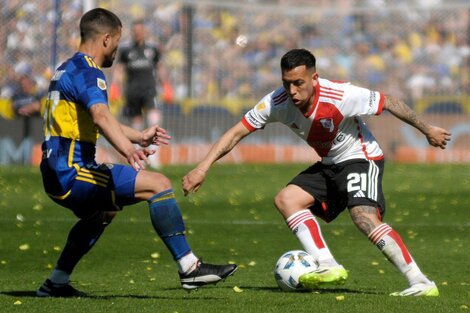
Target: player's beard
point(108, 60)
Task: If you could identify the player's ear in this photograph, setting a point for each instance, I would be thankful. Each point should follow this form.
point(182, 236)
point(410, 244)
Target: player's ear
point(314, 78)
point(106, 39)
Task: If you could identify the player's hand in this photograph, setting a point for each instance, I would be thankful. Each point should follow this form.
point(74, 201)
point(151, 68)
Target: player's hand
point(438, 137)
point(30, 109)
point(192, 181)
point(139, 157)
point(154, 135)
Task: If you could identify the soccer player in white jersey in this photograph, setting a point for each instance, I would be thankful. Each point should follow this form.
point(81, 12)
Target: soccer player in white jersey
point(327, 115)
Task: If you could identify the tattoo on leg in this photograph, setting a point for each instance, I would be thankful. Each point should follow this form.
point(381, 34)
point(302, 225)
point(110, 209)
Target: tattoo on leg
point(364, 217)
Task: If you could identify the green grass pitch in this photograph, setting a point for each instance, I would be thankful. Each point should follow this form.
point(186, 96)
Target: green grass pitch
point(232, 219)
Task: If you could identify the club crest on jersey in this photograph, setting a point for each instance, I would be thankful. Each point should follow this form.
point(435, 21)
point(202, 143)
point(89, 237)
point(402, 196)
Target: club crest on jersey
point(101, 83)
point(149, 54)
point(328, 124)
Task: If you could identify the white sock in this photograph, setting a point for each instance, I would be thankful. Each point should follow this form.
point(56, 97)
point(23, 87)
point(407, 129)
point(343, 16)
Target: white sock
point(389, 242)
point(187, 263)
point(59, 277)
point(304, 225)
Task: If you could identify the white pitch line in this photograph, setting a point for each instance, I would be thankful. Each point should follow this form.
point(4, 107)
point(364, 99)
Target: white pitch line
point(229, 222)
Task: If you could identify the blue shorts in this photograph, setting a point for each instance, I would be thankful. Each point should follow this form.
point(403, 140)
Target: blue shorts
point(99, 187)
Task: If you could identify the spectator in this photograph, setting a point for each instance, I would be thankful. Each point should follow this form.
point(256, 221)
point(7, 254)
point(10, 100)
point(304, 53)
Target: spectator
point(23, 98)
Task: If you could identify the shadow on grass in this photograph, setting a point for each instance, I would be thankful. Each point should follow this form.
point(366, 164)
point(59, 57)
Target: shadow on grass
point(28, 294)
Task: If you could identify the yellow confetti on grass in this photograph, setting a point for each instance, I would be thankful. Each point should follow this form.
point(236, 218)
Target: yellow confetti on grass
point(464, 307)
point(339, 298)
point(24, 247)
point(252, 263)
point(38, 207)
point(17, 302)
point(155, 255)
point(237, 289)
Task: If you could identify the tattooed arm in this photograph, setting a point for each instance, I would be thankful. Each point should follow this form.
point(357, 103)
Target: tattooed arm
point(436, 136)
point(194, 179)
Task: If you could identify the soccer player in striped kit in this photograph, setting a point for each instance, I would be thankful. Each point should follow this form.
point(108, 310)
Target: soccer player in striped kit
point(327, 115)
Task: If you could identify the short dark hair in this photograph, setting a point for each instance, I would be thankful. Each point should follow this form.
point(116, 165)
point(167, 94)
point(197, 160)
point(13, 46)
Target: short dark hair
point(98, 21)
point(297, 57)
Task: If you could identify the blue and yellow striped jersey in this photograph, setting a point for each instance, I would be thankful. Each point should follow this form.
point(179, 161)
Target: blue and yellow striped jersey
point(70, 134)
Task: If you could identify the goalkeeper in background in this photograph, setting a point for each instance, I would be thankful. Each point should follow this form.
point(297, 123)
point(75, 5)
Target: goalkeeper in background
point(327, 115)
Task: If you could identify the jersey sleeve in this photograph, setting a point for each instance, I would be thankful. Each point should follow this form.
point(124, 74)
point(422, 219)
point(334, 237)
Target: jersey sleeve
point(361, 101)
point(259, 115)
point(91, 88)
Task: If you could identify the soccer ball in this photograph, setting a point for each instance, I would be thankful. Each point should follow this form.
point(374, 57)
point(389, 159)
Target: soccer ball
point(290, 266)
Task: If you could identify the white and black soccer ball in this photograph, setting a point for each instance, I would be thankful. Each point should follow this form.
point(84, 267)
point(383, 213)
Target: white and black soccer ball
point(290, 266)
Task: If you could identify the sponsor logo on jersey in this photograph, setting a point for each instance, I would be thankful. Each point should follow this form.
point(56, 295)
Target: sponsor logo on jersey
point(328, 124)
point(101, 83)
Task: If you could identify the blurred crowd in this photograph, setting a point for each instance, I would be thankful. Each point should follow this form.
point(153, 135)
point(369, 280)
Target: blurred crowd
point(409, 52)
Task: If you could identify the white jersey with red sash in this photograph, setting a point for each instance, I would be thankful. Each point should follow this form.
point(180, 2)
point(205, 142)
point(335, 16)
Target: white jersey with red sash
point(333, 126)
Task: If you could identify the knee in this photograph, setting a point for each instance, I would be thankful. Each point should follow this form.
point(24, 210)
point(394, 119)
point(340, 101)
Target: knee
point(161, 183)
point(151, 183)
point(282, 200)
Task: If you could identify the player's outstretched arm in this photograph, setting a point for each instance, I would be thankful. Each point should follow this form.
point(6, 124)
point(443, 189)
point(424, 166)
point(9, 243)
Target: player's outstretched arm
point(154, 135)
point(436, 136)
point(112, 130)
point(193, 180)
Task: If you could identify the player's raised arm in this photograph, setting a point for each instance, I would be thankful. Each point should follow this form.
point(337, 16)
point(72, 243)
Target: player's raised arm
point(436, 136)
point(194, 178)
